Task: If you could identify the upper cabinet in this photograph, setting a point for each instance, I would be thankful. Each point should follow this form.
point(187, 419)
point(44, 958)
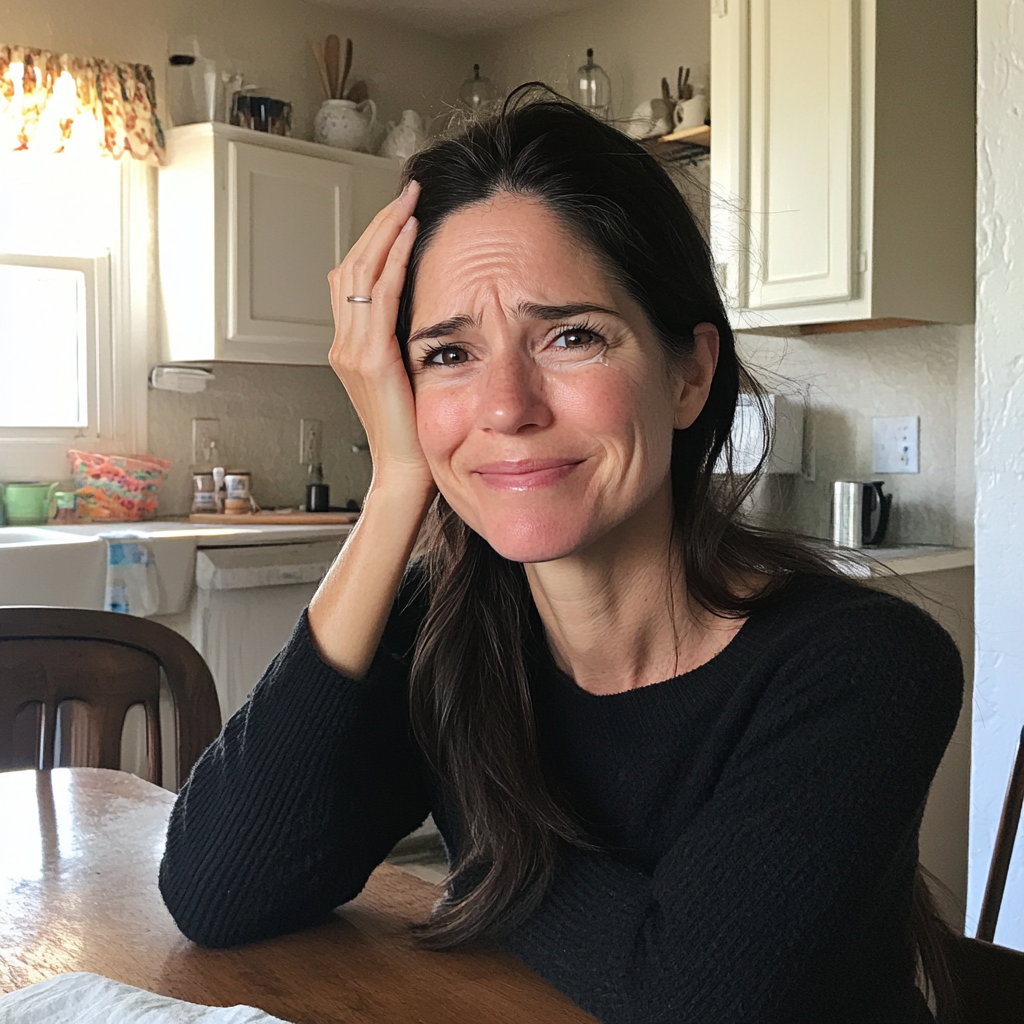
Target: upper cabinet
point(250, 225)
point(842, 160)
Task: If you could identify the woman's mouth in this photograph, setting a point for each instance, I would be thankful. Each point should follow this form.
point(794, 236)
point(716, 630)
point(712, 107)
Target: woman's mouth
point(526, 474)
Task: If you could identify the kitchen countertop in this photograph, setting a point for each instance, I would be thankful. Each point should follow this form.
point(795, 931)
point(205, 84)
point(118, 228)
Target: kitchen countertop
point(905, 561)
point(205, 535)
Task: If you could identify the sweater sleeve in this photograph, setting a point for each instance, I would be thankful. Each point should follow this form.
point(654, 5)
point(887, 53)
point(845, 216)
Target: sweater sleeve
point(303, 794)
point(818, 807)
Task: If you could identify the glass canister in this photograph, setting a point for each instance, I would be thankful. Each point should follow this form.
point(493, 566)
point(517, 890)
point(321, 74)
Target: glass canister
point(66, 507)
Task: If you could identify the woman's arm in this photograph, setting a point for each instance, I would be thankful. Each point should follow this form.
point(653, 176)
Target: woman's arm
point(312, 782)
point(763, 907)
point(304, 793)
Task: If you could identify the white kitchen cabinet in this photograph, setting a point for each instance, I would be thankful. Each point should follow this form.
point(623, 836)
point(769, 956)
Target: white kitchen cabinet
point(250, 224)
point(842, 160)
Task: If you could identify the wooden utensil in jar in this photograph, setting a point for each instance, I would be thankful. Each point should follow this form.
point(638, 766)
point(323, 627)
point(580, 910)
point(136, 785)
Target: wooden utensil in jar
point(321, 69)
point(332, 57)
point(348, 67)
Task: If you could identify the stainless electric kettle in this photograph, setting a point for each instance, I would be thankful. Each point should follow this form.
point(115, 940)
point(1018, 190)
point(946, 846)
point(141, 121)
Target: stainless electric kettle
point(860, 513)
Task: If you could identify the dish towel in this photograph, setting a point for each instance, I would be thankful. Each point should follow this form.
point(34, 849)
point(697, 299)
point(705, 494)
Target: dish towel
point(82, 998)
point(91, 998)
point(133, 586)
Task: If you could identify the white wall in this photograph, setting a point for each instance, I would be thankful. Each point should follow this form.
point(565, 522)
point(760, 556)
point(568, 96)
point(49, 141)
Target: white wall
point(999, 450)
point(637, 43)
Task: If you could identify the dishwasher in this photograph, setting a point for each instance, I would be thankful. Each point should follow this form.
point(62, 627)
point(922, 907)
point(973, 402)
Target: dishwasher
point(247, 603)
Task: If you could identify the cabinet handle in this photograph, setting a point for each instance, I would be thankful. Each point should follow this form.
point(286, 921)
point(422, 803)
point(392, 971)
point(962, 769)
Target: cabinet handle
point(720, 8)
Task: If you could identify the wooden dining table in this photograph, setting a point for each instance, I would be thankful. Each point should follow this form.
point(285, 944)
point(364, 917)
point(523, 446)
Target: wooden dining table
point(79, 852)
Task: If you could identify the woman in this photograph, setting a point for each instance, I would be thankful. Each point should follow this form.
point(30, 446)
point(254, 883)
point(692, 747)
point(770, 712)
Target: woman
point(678, 764)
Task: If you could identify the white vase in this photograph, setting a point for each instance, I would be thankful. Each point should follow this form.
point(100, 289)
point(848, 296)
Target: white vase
point(344, 124)
point(406, 137)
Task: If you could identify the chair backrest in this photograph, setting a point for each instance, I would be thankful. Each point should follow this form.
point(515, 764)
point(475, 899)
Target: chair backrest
point(989, 982)
point(1003, 849)
point(107, 662)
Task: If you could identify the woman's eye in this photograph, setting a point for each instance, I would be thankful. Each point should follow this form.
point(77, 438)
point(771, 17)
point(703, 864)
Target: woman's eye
point(575, 338)
point(448, 356)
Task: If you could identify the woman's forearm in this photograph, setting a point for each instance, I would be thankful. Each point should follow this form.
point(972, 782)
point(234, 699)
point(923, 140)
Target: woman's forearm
point(348, 612)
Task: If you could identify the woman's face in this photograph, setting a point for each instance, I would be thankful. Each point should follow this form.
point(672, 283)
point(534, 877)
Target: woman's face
point(544, 403)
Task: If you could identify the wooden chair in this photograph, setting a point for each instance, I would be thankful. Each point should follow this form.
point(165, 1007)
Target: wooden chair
point(989, 979)
point(107, 662)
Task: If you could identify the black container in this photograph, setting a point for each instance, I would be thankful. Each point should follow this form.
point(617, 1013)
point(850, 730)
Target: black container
point(318, 498)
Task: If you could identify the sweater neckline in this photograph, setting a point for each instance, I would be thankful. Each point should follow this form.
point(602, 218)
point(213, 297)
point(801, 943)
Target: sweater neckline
point(737, 651)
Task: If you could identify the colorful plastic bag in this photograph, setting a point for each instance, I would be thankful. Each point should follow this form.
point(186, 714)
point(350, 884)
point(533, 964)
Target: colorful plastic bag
point(119, 488)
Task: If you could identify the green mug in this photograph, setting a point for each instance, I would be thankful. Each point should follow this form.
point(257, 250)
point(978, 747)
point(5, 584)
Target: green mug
point(27, 504)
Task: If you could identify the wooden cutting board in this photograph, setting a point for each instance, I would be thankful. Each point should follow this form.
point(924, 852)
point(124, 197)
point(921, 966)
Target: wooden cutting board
point(275, 518)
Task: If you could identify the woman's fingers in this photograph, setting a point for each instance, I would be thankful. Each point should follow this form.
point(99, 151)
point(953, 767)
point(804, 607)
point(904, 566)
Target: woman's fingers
point(359, 271)
point(387, 289)
point(368, 256)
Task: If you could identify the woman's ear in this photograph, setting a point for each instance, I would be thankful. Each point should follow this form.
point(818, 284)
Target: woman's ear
point(694, 379)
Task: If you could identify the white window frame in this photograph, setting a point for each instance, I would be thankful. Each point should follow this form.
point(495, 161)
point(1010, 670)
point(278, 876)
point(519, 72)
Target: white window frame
point(120, 291)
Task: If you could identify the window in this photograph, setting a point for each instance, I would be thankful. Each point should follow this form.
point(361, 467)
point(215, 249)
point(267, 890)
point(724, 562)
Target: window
point(74, 309)
point(47, 342)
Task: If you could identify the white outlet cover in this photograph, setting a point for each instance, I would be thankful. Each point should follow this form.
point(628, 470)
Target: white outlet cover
point(896, 444)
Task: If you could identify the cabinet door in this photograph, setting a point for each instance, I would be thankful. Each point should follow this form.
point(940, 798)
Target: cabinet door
point(801, 241)
point(289, 224)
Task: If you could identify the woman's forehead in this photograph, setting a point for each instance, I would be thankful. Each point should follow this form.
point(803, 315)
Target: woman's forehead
point(510, 250)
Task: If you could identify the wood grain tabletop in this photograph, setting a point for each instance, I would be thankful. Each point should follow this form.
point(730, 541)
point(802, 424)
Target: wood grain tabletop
point(79, 855)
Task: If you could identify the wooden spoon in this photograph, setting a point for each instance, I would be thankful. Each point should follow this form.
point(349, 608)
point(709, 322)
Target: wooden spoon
point(348, 67)
point(321, 69)
point(332, 57)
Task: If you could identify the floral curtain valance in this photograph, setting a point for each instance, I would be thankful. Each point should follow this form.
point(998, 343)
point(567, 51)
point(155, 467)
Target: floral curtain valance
point(53, 103)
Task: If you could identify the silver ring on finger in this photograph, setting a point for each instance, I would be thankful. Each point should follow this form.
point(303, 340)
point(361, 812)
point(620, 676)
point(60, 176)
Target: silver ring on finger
point(360, 298)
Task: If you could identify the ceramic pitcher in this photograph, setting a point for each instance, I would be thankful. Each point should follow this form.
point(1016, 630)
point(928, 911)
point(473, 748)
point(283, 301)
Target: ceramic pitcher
point(406, 137)
point(344, 124)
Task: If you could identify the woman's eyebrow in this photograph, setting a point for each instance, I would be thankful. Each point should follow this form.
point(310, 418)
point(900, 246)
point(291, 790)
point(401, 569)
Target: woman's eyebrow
point(533, 311)
point(524, 311)
point(444, 328)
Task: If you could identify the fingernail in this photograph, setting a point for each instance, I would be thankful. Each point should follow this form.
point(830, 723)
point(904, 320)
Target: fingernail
point(409, 225)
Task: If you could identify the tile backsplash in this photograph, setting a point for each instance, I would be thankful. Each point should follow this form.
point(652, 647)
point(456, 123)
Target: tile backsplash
point(259, 408)
point(847, 380)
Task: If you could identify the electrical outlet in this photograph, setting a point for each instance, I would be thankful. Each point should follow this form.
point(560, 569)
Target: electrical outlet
point(897, 443)
point(205, 441)
point(311, 445)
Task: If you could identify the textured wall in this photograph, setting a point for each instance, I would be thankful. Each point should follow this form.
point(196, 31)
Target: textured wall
point(850, 378)
point(259, 408)
point(999, 441)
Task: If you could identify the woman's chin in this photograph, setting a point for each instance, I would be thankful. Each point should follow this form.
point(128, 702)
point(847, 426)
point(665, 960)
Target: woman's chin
point(529, 540)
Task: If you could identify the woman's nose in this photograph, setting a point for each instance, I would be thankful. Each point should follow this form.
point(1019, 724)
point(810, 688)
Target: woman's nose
point(512, 396)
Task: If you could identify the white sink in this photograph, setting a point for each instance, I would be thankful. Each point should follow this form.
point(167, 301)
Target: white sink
point(35, 535)
point(40, 565)
point(67, 565)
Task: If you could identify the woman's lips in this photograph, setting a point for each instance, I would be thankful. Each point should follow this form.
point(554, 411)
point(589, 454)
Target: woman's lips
point(525, 474)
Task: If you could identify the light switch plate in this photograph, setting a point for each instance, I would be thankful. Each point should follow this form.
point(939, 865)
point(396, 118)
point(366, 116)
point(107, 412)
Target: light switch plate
point(897, 443)
point(205, 441)
point(311, 442)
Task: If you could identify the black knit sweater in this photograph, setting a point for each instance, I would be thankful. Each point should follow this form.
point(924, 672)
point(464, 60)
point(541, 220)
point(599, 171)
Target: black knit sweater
point(759, 815)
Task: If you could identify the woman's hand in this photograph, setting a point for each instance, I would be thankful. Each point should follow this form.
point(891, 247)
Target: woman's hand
point(348, 612)
point(366, 355)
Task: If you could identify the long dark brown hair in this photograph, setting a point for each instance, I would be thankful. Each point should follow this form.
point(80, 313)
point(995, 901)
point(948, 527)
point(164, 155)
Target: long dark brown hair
point(470, 695)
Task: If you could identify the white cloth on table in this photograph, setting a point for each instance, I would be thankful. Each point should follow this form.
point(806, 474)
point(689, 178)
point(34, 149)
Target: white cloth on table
point(82, 998)
point(133, 586)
